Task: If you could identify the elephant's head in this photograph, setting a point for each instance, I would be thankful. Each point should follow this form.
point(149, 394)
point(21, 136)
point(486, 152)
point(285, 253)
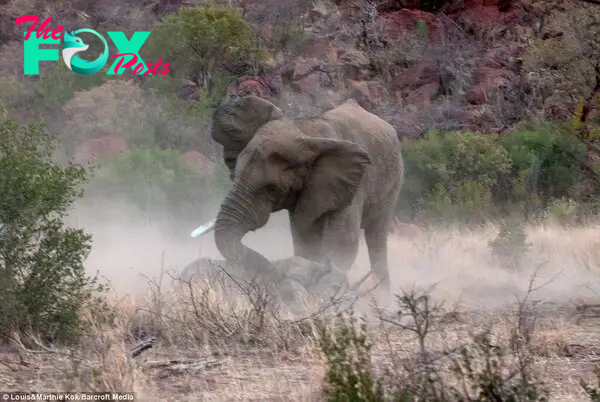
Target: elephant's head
point(281, 168)
point(236, 121)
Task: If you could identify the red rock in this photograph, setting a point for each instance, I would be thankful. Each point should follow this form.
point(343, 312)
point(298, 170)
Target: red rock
point(415, 76)
point(477, 95)
point(423, 95)
point(311, 84)
point(482, 14)
point(378, 92)
point(264, 86)
point(101, 147)
point(488, 79)
point(367, 93)
point(303, 67)
point(355, 64)
point(398, 24)
point(321, 48)
point(253, 87)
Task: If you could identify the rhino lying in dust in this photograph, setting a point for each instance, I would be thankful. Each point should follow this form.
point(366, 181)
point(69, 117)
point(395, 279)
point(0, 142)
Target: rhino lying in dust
point(302, 280)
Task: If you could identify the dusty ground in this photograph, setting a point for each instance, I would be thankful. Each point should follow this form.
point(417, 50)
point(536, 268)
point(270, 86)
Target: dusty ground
point(460, 263)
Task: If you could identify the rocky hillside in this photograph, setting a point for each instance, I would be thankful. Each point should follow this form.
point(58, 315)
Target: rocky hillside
point(456, 64)
point(472, 65)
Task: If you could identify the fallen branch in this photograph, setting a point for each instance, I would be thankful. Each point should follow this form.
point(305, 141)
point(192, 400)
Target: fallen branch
point(142, 346)
point(181, 366)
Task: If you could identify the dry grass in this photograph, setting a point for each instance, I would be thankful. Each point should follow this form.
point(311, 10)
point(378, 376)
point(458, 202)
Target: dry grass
point(228, 350)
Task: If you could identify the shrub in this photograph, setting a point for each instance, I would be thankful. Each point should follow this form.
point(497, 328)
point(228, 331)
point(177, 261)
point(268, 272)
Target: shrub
point(510, 246)
point(452, 172)
point(349, 376)
point(43, 283)
point(549, 158)
point(593, 391)
point(563, 211)
point(481, 368)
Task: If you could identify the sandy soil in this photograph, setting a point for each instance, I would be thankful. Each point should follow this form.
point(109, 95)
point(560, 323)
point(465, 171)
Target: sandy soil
point(459, 262)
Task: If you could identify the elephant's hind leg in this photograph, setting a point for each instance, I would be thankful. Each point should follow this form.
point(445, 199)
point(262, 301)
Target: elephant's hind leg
point(376, 239)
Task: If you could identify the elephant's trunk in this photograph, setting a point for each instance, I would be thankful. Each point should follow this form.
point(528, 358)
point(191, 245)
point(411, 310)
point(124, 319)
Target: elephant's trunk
point(234, 220)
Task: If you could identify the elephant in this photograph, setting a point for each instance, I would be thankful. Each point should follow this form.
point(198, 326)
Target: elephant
point(335, 174)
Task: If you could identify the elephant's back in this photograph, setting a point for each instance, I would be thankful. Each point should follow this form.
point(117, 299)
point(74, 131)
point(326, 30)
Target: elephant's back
point(351, 122)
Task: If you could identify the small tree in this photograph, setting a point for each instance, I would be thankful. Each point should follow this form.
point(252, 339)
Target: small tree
point(43, 283)
point(198, 41)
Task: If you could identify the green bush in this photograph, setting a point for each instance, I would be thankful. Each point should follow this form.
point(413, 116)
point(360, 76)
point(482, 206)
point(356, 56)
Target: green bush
point(511, 246)
point(349, 376)
point(43, 283)
point(452, 175)
point(197, 41)
point(548, 157)
point(470, 177)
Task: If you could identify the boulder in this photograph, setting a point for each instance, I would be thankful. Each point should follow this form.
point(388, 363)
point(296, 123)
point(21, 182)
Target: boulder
point(416, 75)
point(487, 80)
point(422, 96)
point(369, 94)
point(397, 25)
point(321, 48)
point(355, 64)
point(309, 77)
point(477, 95)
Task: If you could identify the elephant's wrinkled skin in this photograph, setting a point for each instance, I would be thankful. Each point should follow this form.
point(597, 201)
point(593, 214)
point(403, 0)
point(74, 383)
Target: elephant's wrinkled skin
point(335, 174)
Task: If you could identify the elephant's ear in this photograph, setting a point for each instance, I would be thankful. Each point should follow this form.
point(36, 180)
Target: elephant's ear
point(336, 170)
point(236, 121)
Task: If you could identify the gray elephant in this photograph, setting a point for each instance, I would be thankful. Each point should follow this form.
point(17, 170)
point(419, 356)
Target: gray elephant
point(335, 174)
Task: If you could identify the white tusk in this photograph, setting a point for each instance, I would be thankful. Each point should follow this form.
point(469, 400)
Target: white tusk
point(203, 229)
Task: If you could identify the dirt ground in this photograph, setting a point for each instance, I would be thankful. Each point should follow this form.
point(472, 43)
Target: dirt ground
point(459, 263)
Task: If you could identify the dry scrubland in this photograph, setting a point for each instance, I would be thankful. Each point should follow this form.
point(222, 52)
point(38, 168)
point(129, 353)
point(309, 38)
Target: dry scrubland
point(228, 350)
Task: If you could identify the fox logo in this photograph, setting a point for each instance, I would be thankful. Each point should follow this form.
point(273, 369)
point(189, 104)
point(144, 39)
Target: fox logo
point(72, 45)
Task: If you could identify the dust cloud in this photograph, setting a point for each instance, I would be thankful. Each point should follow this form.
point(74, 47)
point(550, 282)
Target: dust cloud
point(127, 250)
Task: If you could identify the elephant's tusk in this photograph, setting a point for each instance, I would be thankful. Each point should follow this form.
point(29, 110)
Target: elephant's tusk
point(203, 229)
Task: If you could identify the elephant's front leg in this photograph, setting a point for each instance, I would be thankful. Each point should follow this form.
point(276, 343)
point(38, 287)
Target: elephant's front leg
point(307, 244)
point(341, 237)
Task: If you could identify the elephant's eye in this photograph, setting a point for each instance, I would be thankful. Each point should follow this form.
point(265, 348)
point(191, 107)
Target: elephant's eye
point(272, 190)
